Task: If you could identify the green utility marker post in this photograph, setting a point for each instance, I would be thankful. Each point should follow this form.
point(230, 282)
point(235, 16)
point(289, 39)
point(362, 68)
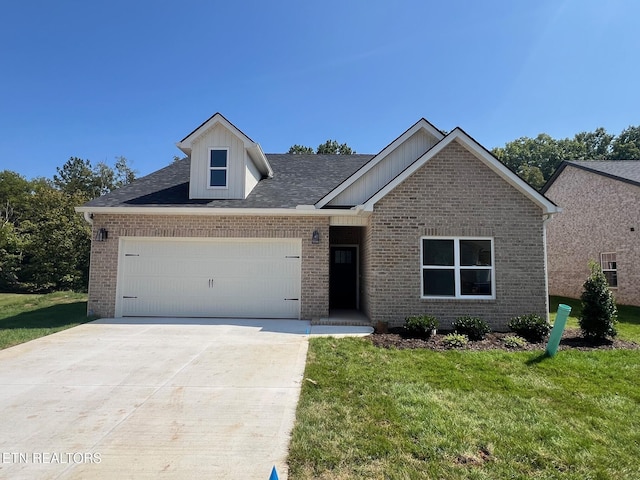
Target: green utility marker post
point(558, 328)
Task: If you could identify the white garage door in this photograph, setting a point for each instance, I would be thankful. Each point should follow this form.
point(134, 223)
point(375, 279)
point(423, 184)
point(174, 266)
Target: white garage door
point(238, 277)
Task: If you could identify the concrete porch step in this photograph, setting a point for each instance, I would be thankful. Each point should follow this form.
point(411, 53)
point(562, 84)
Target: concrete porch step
point(344, 317)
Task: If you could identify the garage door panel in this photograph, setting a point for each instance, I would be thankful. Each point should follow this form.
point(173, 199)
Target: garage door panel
point(210, 277)
point(226, 307)
point(153, 285)
point(161, 268)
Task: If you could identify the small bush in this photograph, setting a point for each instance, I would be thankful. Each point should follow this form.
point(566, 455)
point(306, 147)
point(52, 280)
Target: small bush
point(599, 312)
point(513, 341)
point(455, 340)
point(473, 327)
point(420, 326)
point(532, 327)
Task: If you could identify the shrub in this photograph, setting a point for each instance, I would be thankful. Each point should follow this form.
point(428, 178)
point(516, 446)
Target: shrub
point(531, 326)
point(473, 327)
point(420, 326)
point(599, 312)
point(513, 341)
point(455, 340)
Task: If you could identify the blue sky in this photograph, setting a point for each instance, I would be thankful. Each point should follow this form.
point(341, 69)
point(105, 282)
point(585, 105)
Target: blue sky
point(101, 79)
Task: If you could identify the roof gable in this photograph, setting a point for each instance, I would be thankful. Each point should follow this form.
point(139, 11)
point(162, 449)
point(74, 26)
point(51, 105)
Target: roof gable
point(479, 152)
point(253, 149)
point(352, 188)
point(212, 121)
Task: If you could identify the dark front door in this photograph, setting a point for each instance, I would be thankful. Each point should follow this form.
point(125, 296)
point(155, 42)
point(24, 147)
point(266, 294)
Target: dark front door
point(343, 277)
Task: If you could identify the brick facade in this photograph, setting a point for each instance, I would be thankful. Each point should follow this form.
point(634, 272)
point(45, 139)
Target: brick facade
point(315, 258)
point(598, 216)
point(454, 194)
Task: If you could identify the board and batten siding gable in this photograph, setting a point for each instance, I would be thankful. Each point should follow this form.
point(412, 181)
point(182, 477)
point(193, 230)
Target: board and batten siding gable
point(237, 165)
point(387, 169)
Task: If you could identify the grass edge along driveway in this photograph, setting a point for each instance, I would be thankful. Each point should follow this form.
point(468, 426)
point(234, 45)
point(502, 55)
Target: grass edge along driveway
point(371, 413)
point(24, 317)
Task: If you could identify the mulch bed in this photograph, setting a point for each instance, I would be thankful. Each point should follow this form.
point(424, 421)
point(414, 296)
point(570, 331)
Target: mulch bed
point(571, 340)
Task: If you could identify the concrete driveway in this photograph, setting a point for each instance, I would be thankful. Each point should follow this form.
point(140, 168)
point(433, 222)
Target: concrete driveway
point(152, 398)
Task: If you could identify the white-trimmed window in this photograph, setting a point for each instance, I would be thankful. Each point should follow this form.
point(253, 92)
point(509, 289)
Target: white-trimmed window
point(218, 167)
point(458, 267)
point(610, 268)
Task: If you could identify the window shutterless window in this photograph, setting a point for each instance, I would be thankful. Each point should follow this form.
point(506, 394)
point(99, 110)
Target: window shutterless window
point(457, 267)
point(610, 268)
point(218, 167)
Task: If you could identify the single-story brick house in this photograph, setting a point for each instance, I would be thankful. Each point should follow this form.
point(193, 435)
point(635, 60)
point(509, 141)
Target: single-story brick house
point(600, 221)
point(431, 224)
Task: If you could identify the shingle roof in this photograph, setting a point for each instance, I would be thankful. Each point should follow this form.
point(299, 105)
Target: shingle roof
point(624, 169)
point(297, 180)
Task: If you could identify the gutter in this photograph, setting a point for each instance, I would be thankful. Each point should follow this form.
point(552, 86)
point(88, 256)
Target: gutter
point(300, 210)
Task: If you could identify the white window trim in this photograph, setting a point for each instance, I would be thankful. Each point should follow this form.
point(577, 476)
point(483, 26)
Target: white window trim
point(609, 269)
point(209, 168)
point(456, 268)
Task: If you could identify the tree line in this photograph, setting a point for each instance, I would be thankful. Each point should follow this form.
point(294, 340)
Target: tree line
point(535, 159)
point(44, 243)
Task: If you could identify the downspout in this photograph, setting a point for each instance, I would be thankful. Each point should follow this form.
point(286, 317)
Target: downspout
point(88, 216)
point(546, 218)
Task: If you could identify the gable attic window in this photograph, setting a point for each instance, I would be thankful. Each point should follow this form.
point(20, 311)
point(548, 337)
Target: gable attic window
point(457, 267)
point(218, 167)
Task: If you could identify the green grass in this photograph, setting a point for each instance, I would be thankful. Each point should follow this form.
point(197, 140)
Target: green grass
point(400, 414)
point(24, 317)
point(628, 317)
point(371, 413)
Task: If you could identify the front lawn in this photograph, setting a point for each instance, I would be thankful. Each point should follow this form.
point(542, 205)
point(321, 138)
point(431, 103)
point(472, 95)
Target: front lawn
point(375, 413)
point(24, 317)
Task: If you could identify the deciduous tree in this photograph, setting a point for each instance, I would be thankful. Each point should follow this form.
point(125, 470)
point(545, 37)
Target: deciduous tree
point(626, 146)
point(44, 243)
point(14, 196)
point(55, 242)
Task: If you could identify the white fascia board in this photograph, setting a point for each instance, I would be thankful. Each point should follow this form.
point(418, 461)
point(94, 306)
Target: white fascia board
point(260, 159)
point(209, 211)
point(184, 149)
point(420, 124)
point(185, 144)
point(548, 207)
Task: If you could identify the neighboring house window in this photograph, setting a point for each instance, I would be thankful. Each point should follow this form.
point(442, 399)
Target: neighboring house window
point(609, 268)
point(218, 167)
point(457, 268)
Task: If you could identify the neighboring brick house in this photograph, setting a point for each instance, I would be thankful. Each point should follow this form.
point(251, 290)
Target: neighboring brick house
point(431, 224)
point(600, 221)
